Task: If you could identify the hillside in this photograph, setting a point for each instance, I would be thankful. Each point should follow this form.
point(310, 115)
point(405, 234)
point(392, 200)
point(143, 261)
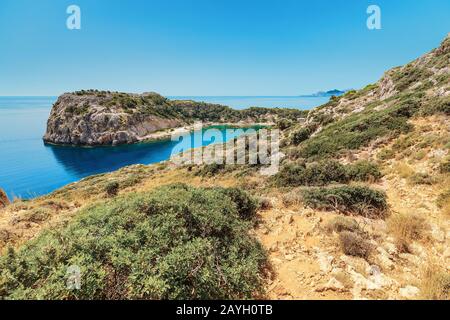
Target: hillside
point(360, 209)
point(95, 117)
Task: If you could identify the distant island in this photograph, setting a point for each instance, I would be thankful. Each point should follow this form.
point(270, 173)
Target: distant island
point(330, 93)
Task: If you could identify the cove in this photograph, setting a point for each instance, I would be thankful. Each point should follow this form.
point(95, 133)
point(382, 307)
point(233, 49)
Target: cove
point(29, 168)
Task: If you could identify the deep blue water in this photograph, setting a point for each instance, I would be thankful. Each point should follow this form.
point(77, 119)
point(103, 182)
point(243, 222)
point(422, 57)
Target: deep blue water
point(29, 168)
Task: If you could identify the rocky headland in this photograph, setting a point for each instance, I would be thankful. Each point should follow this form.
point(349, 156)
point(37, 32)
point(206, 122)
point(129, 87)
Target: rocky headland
point(93, 118)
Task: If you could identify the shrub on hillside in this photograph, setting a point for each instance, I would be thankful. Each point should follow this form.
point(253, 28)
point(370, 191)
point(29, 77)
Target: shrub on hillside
point(300, 135)
point(358, 130)
point(359, 200)
point(339, 224)
point(112, 188)
point(246, 205)
point(364, 171)
point(353, 244)
point(315, 174)
point(210, 169)
point(176, 242)
point(326, 172)
point(444, 167)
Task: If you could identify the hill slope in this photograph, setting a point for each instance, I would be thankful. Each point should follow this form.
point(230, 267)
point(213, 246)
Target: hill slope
point(359, 210)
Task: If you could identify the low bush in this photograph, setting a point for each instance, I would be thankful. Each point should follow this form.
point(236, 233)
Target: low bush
point(210, 169)
point(364, 171)
point(264, 203)
point(353, 244)
point(112, 188)
point(339, 224)
point(437, 106)
point(246, 205)
point(421, 178)
point(300, 135)
point(358, 130)
point(37, 215)
point(176, 242)
point(326, 172)
point(292, 198)
point(315, 174)
point(444, 167)
point(359, 200)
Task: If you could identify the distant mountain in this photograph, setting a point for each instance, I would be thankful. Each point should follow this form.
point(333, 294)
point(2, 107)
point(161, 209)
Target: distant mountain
point(329, 93)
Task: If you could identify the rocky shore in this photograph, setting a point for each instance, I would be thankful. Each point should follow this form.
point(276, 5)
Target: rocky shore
point(95, 118)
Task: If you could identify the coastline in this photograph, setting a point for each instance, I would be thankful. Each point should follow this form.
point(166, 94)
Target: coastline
point(166, 134)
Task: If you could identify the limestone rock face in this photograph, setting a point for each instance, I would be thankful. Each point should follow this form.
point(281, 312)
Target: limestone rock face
point(91, 118)
point(4, 201)
point(98, 118)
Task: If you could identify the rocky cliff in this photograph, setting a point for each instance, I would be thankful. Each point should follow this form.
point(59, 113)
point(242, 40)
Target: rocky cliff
point(95, 117)
point(4, 201)
point(103, 118)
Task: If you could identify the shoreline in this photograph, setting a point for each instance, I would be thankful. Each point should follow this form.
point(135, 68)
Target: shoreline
point(165, 135)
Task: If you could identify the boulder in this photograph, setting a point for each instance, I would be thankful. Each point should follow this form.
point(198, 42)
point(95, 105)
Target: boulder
point(409, 292)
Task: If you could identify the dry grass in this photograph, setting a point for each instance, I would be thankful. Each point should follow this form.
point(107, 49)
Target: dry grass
point(403, 170)
point(353, 244)
point(406, 228)
point(446, 208)
point(435, 283)
point(291, 199)
point(339, 224)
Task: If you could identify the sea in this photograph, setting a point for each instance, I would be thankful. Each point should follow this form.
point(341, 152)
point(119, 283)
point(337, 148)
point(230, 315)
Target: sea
point(29, 168)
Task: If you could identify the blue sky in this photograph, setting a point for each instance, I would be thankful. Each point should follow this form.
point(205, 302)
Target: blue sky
point(210, 47)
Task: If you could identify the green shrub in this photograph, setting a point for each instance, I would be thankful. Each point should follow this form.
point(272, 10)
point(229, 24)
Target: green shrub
point(284, 124)
point(348, 199)
point(421, 178)
point(444, 167)
point(315, 174)
point(326, 172)
point(300, 135)
point(409, 75)
point(246, 204)
point(176, 242)
point(364, 171)
point(358, 130)
point(112, 188)
point(437, 106)
point(210, 169)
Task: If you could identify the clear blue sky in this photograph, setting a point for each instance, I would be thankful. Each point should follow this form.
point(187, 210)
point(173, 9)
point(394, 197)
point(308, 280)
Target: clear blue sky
point(210, 47)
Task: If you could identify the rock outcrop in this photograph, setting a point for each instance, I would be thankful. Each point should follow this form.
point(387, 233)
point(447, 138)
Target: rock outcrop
point(4, 201)
point(99, 118)
point(93, 117)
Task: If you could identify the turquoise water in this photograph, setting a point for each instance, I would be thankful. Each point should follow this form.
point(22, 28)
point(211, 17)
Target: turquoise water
point(28, 168)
